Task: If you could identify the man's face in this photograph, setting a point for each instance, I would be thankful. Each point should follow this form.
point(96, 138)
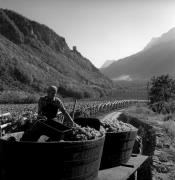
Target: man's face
point(51, 93)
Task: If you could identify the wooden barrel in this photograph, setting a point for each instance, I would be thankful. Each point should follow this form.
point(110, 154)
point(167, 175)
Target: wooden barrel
point(117, 148)
point(65, 160)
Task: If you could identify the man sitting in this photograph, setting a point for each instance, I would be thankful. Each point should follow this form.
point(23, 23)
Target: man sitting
point(48, 107)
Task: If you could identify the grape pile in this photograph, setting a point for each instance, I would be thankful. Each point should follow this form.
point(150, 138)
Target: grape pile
point(115, 125)
point(79, 133)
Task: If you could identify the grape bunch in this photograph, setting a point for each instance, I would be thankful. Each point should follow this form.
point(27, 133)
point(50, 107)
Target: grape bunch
point(116, 126)
point(79, 133)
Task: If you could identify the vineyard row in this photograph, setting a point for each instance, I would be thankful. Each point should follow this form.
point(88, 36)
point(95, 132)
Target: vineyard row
point(19, 114)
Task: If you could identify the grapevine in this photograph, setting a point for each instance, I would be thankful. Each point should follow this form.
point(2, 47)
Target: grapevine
point(23, 116)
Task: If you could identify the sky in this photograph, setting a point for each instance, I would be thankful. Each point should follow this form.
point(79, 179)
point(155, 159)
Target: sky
point(101, 29)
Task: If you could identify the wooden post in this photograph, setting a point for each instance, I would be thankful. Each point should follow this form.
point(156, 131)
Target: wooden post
point(4, 126)
point(135, 175)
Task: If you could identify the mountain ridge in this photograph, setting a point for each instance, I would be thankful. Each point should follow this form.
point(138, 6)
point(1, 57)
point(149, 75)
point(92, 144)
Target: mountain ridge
point(33, 56)
point(158, 57)
point(107, 63)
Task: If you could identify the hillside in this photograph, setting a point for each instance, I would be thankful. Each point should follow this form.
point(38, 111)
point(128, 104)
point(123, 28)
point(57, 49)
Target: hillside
point(107, 63)
point(33, 56)
point(157, 58)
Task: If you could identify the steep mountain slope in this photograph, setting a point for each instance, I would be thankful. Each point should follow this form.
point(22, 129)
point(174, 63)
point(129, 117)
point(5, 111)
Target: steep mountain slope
point(33, 56)
point(157, 58)
point(107, 63)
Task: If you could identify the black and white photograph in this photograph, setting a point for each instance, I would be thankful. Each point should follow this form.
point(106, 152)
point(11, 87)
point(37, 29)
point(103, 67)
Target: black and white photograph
point(87, 90)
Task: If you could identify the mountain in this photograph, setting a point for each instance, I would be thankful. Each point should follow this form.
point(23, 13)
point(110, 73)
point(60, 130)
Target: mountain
point(107, 63)
point(33, 56)
point(157, 58)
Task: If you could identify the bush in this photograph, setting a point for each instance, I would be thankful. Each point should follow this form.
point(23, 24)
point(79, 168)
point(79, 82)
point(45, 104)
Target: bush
point(161, 91)
point(163, 107)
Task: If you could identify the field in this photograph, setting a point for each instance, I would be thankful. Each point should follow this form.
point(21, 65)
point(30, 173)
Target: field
point(83, 108)
point(22, 116)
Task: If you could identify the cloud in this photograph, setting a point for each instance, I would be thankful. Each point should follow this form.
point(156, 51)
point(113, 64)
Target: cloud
point(122, 78)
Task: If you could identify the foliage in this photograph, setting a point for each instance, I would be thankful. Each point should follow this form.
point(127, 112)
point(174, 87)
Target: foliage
point(161, 91)
point(16, 97)
point(163, 107)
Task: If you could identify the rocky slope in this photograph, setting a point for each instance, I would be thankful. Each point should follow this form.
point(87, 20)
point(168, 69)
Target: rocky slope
point(33, 56)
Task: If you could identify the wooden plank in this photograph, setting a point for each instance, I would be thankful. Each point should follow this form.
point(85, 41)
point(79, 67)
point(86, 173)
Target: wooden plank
point(122, 172)
point(5, 125)
point(4, 115)
point(59, 112)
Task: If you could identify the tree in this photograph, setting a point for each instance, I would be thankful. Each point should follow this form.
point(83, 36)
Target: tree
point(161, 91)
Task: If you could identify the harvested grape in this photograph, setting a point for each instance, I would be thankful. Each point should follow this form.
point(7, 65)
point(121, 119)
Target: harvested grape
point(115, 125)
point(79, 133)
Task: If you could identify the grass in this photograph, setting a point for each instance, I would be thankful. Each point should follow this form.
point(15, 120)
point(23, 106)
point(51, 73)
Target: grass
point(140, 109)
point(169, 127)
point(166, 121)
